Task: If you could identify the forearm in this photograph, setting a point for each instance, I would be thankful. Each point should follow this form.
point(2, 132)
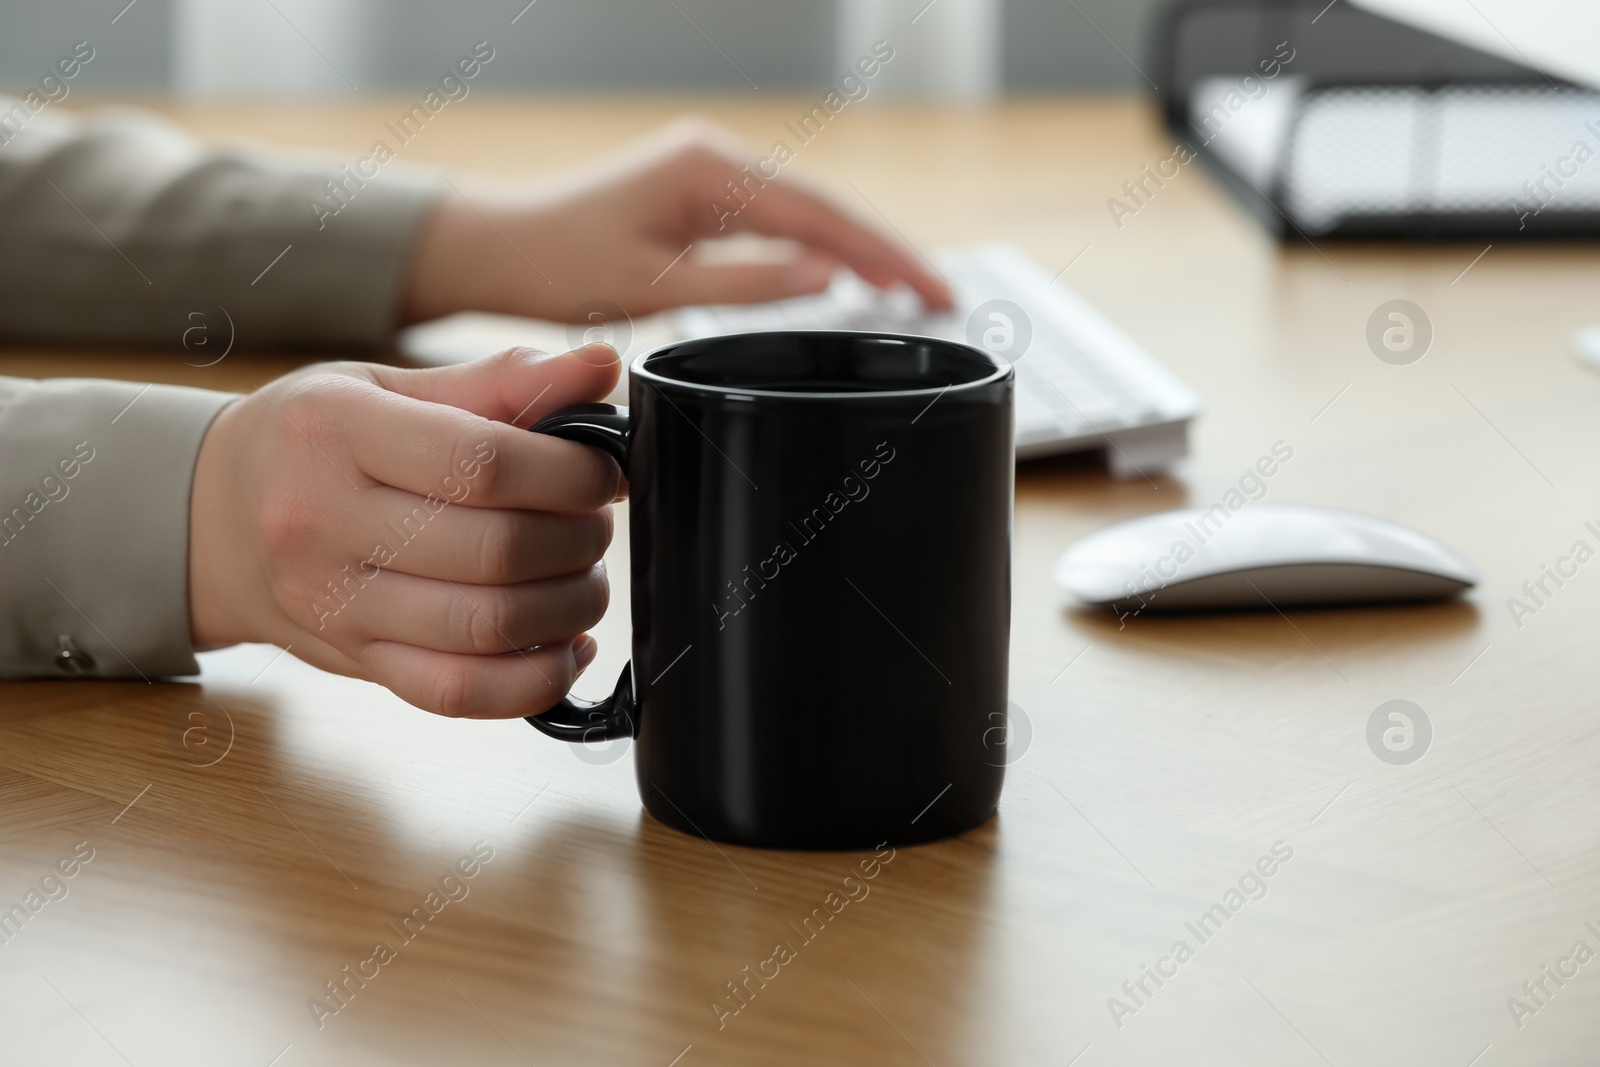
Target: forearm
point(94, 526)
point(118, 227)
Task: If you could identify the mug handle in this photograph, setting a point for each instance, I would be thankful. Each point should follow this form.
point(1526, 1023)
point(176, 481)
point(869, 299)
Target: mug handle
point(604, 426)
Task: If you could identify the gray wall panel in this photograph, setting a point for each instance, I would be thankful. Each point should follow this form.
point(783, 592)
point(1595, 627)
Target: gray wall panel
point(618, 44)
point(1060, 45)
point(133, 53)
point(592, 44)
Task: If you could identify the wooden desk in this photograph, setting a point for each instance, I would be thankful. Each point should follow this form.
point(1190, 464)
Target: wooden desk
point(1166, 757)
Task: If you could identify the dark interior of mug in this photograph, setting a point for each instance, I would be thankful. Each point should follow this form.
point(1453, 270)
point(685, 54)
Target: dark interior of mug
point(801, 362)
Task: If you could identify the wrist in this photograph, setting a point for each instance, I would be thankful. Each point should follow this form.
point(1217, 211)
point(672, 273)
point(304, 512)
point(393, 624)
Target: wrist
point(465, 260)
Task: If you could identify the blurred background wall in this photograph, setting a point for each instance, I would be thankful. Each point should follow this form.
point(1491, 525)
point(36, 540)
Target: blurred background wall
point(964, 48)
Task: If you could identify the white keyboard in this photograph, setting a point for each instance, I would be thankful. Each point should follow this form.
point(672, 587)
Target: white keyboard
point(1081, 383)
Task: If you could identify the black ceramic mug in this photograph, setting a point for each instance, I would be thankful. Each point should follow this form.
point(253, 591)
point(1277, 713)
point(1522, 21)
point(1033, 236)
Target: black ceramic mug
point(821, 567)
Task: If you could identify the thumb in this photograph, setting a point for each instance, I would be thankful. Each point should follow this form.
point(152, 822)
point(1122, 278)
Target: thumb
point(747, 283)
point(519, 386)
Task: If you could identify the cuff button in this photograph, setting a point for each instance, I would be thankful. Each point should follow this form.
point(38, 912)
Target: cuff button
point(70, 659)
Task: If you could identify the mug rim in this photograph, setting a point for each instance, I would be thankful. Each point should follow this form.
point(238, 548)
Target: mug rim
point(999, 368)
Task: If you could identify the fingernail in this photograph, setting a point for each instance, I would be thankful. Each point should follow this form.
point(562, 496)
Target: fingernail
point(584, 648)
point(598, 354)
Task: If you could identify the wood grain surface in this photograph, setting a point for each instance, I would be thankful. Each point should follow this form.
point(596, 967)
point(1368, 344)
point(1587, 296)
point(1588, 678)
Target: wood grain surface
point(258, 831)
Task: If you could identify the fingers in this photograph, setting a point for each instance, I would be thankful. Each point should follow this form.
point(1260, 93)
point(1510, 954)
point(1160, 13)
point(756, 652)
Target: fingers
point(443, 454)
point(519, 386)
point(472, 545)
point(428, 474)
point(480, 687)
point(748, 283)
point(469, 619)
point(783, 209)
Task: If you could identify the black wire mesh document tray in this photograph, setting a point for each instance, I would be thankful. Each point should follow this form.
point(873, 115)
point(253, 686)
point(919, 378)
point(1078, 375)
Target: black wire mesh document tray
point(1341, 123)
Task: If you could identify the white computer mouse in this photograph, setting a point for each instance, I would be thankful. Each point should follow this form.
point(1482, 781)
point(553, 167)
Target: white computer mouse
point(1261, 556)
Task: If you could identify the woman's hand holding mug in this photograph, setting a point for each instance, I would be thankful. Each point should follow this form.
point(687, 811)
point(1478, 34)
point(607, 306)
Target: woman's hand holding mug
point(402, 526)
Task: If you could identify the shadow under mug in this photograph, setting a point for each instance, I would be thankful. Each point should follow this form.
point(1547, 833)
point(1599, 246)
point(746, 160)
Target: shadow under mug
point(820, 529)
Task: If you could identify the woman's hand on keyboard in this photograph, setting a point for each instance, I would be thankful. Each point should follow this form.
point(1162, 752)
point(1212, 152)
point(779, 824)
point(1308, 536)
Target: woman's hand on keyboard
point(625, 231)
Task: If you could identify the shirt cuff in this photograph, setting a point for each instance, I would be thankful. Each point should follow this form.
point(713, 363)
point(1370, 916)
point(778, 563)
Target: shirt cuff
point(94, 531)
